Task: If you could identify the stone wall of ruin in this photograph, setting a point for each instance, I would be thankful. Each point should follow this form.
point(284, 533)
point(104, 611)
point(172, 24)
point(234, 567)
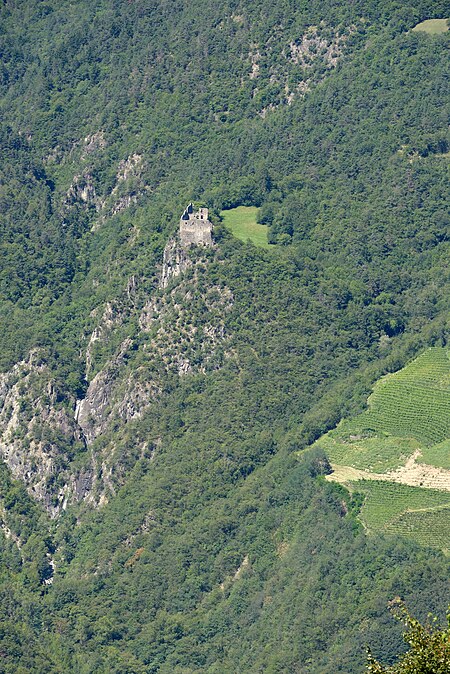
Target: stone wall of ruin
point(195, 232)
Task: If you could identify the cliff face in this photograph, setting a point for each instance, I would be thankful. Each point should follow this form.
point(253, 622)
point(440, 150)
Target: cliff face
point(39, 436)
point(175, 262)
point(178, 330)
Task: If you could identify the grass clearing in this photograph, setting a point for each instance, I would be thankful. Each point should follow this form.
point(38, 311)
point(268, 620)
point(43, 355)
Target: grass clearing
point(242, 223)
point(432, 26)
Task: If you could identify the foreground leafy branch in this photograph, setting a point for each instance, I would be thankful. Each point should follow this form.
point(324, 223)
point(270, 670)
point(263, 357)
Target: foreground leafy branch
point(429, 646)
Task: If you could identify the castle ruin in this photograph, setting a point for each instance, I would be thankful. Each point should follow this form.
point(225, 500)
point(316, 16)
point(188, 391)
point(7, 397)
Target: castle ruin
point(195, 228)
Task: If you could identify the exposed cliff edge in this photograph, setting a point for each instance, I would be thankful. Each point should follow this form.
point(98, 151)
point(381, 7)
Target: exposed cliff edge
point(180, 330)
point(177, 330)
point(38, 435)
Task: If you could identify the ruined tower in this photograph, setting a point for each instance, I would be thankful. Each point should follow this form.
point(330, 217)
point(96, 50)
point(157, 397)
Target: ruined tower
point(195, 227)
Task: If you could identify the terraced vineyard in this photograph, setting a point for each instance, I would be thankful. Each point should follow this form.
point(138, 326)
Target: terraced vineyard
point(355, 445)
point(400, 446)
point(386, 501)
point(408, 410)
point(429, 527)
point(421, 514)
point(437, 455)
point(414, 402)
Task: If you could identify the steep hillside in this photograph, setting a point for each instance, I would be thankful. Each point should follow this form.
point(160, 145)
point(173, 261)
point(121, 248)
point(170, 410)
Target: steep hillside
point(161, 508)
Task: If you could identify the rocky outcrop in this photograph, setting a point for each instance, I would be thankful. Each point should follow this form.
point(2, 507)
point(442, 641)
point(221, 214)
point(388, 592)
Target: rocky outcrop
point(92, 144)
point(302, 63)
point(112, 317)
point(38, 435)
point(112, 394)
point(313, 46)
point(123, 203)
point(175, 262)
point(187, 328)
point(181, 330)
point(129, 184)
point(82, 192)
point(127, 168)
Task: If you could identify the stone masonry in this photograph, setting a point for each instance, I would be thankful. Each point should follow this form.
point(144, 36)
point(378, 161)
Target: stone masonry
point(195, 228)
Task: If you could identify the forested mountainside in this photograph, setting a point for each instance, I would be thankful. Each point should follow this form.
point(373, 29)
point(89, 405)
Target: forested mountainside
point(161, 506)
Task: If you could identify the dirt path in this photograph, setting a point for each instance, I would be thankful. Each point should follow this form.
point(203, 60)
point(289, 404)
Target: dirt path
point(412, 473)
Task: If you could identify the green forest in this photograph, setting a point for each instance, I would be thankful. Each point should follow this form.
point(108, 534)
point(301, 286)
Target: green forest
point(166, 414)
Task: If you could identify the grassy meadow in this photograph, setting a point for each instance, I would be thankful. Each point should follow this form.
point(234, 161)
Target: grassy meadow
point(432, 26)
point(242, 222)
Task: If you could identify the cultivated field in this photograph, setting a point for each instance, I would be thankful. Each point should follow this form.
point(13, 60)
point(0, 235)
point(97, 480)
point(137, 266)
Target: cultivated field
point(437, 455)
point(422, 514)
point(398, 451)
point(357, 445)
point(407, 411)
point(241, 221)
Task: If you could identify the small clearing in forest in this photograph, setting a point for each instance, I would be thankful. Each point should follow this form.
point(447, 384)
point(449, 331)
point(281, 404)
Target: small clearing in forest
point(242, 223)
point(432, 26)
